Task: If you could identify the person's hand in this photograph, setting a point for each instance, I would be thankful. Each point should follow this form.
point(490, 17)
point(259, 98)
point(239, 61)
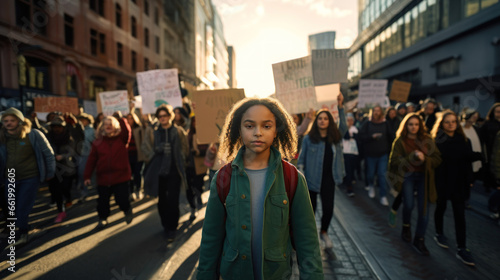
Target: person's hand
point(310, 115)
point(87, 182)
point(59, 157)
point(419, 155)
point(340, 100)
point(118, 114)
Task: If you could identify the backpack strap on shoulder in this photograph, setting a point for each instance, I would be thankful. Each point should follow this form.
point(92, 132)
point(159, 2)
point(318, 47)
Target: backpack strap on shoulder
point(224, 182)
point(290, 175)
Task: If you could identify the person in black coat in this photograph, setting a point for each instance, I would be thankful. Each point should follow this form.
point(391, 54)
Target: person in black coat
point(487, 134)
point(453, 178)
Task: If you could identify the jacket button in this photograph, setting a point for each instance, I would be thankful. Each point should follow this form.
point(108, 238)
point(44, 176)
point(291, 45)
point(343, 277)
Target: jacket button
point(285, 202)
point(244, 227)
point(244, 257)
point(243, 196)
point(284, 255)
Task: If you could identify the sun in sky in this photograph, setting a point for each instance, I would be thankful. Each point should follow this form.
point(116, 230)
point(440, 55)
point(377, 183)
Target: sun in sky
point(265, 32)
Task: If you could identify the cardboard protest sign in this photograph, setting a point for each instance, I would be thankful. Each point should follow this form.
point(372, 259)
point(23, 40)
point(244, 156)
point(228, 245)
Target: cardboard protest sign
point(330, 66)
point(400, 91)
point(372, 92)
point(90, 107)
point(61, 104)
point(327, 98)
point(210, 109)
point(112, 101)
point(295, 85)
point(159, 87)
point(138, 101)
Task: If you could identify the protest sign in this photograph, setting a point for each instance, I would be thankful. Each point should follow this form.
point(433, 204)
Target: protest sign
point(371, 93)
point(158, 87)
point(138, 101)
point(90, 107)
point(211, 108)
point(295, 85)
point(112, 101)
point(400, 91)
point(327, 98)
point(329, 66)
point(61, 104)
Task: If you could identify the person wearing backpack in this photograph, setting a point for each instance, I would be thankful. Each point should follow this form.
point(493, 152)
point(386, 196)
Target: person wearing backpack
point(247, 236)
point(322, 161)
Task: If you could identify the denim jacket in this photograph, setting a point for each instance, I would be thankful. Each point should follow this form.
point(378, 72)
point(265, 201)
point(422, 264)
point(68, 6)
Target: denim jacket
point(311, 158)
point(230, 239)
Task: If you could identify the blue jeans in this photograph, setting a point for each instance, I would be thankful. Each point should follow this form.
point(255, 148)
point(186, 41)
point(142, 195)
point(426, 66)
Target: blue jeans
point(25, 192)
point(379, 165)
point(415, 181)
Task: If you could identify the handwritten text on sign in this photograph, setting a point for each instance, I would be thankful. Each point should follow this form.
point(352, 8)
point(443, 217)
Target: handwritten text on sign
point(330, 66)
point(61, 104)
point(113, 101)
point(159, 87)
point(295, 85)
point(372, 92)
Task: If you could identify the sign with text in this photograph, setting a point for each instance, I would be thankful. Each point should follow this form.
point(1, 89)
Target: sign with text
point(330, 66)
point(400, 91)
point(371, 93)
point(112, 101)
point(159, 87)
point(90, 107)
point(61, 104)
point(210, 109)
point(327, 98)
point(294, 84)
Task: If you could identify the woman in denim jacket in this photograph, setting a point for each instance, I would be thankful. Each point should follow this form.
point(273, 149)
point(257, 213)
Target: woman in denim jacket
point(323, 167)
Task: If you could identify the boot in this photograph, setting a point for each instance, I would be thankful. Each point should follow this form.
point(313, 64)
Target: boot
point(419, 245)
point(406, 233)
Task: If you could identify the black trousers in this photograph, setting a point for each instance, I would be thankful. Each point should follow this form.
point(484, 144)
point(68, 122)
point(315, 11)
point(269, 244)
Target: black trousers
point(350, 162)
point(327, 195)
point(59, 187)
point(195, 186)
point(121, 192)
point(169, 188)
point(458, 205)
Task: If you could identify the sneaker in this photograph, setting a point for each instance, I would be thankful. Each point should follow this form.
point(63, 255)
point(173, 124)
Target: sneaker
point(133, 196)
point(68, 204)
point(419, 246)
point(60, 217)
point(494, 216)
point(23, 239)
point(129, 216)
point(465, 256)
point(101, 224)
point(371, 192)
point(350, 193)
point(406, 233)
point(52, 204)
point(326, 239)
point(392, 218)
point(192, 217)
point(367, 188)
point(441, 241)
point(139, 195)
point(170, 235)
point(384, 201)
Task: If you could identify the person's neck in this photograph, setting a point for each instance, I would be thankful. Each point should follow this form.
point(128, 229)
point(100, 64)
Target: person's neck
point(255, 161)
point(412, 136)
point(468, 124)
point(450, 133)
point(323, 132)
point(166, 126)
point(12, 132)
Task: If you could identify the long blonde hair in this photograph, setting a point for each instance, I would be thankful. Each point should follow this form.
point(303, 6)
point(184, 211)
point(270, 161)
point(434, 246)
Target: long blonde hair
point(114, 122)
point(22, 130)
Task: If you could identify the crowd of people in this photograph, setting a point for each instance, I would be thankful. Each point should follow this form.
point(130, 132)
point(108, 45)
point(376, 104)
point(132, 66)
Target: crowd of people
point(421, 153)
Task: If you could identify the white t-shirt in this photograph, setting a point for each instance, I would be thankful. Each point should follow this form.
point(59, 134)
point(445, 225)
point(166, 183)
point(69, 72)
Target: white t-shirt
point(476, 145)
point(350, 146)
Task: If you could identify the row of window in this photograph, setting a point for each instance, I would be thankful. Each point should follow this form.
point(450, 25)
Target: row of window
point(371, 10)
point(98, 7)
point(424, 19)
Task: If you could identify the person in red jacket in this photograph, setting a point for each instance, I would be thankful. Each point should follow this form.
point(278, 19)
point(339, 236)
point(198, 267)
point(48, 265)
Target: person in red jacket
point(109, 156)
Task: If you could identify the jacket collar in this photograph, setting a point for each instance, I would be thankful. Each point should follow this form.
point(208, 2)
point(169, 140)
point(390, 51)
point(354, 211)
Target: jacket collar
point(274, 159)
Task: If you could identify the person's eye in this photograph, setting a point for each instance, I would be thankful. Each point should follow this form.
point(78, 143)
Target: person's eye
point(248, 126)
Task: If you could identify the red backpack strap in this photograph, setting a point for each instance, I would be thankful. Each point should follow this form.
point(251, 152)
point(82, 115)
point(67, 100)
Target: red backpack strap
point(224, 182)
point(290, 174)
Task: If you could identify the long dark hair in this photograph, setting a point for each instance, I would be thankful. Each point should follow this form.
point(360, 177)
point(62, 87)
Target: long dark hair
point(491, 112)
point(230, 138)
point(332, 134)
point(437, 129)
point(403, 128)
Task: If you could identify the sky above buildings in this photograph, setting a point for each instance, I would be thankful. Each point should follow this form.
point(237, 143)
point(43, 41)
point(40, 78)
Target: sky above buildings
point(264, 32)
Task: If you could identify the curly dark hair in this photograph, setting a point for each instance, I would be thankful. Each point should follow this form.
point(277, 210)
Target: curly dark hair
point(332, 133)
point(230, 138)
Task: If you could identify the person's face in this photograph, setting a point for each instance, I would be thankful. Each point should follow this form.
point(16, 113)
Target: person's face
point(57, 129)
point(392, 114)
point(410, 109)
point(350, 121)
point(412, 126)
point(323, 121)
point(258, 129)
point(130, 120)
point(101, 117)
point(164, 118)
point(402, 111)
point(178, 115)
point(429, 108)
point(449, 124)
point(497, 113)
point(10, 123)
point(108, 127)
point(473, 119)
point(85, 122)
point(296, 119)
point(377, 113)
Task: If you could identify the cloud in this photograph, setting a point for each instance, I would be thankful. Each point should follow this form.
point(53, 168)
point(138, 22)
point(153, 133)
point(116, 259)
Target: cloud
point(325, 8)
point(229, 7)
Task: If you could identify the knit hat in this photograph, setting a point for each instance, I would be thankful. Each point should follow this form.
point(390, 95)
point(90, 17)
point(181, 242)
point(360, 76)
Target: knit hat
point(13, 112)
point(57, 121)
point(86, 116)
point(410, 104)
point(400, 106)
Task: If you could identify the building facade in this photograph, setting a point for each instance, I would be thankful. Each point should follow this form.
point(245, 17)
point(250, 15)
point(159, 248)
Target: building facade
point(448, 50)
point(321, 41)
point(233, 83)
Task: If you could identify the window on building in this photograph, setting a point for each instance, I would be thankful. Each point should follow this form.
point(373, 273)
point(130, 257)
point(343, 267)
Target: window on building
point(97, 6)
point(97, 43)
point(447, 68)
point(118, 15)
point(37, 73)
point(69, 31)
point(119, 54)
point(146, 7)
point(146, 64)
point(471, 7)
point(146, 37)
point(133, 27)
point(134, 61)
point(157, 16)
point(487, 3)
point(121, 85)
point(32, 16)
point(157, 44)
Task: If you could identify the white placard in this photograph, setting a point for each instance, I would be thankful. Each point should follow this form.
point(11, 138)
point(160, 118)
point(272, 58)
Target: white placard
point(158, 87)
point(112, 101)
point(371, 93)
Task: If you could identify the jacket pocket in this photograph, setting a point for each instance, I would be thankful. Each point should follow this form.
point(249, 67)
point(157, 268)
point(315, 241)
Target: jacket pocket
point(228, 261)
point(279, 210)
point(231, 209)
point(277, 264)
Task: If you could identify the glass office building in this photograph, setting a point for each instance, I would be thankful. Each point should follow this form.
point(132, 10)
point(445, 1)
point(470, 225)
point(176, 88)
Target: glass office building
point(447, 49)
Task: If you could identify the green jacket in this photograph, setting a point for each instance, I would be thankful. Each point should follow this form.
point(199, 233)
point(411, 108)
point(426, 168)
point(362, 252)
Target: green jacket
point(230, 239)
point(399, 165)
